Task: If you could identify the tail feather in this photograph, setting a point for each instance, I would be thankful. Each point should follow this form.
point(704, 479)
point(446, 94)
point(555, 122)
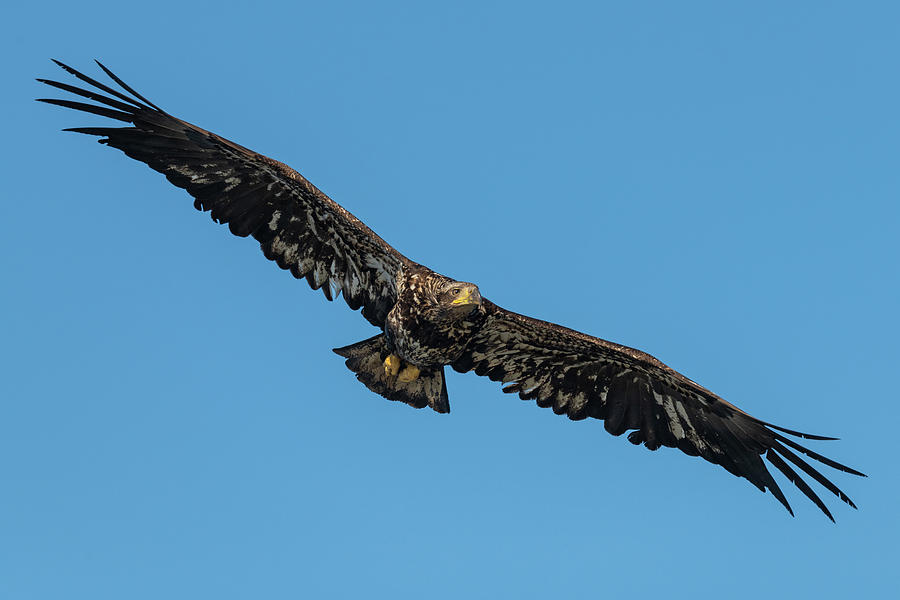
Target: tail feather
point(366, 359)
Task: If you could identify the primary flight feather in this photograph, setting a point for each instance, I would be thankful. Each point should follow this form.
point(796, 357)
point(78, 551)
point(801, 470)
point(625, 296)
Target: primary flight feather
point(429, 321)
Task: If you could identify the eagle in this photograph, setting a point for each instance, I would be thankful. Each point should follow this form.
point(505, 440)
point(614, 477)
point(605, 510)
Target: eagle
point(427, 321)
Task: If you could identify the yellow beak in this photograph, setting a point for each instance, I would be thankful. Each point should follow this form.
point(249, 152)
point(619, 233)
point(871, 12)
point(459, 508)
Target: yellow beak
point(464, 297)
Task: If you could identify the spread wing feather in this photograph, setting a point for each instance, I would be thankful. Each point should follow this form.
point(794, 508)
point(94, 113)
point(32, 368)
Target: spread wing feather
point(297, 226)
point(582, 376)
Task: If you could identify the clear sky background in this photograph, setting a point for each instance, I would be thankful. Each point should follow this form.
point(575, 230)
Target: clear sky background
point(717, 185)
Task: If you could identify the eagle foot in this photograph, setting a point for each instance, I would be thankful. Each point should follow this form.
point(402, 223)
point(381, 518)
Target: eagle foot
point(392, 365)
point(409, 373)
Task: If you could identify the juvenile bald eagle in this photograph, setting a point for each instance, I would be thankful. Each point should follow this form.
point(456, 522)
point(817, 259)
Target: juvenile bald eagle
point(429, 321)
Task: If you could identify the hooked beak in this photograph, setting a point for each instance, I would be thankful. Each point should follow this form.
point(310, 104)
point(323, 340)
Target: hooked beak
point(469, 295)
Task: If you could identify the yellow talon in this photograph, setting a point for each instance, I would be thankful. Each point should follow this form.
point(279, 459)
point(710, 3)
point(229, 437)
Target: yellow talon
point(410, 373)
point(392, 365)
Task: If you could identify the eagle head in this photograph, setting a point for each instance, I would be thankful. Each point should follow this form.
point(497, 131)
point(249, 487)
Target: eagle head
point(458, 298)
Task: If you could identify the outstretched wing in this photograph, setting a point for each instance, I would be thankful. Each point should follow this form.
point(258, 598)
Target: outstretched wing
point(297, 226)
point(582, 376)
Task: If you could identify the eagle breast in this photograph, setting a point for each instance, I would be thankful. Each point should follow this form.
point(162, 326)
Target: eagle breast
point(434, 318)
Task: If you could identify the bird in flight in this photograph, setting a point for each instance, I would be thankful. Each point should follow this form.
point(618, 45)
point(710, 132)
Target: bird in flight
point(428, 321)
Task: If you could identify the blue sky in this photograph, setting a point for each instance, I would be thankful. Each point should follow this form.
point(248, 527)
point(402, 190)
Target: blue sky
point(716, 185)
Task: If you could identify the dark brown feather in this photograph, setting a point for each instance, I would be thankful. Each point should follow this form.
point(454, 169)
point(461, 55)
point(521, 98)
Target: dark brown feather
point(249, 191)
point(632, 390)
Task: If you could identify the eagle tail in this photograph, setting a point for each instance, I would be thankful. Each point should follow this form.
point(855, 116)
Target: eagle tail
point(367, 360)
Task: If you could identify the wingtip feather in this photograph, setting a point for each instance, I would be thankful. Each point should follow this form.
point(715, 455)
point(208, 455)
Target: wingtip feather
point(124, 85)
point(63, 65)
point(800, 434)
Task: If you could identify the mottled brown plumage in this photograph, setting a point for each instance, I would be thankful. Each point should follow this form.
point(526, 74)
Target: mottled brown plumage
point(429, 321)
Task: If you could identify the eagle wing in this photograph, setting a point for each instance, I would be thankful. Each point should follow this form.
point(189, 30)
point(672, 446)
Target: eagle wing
point(297, 226)
point(583, 376)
